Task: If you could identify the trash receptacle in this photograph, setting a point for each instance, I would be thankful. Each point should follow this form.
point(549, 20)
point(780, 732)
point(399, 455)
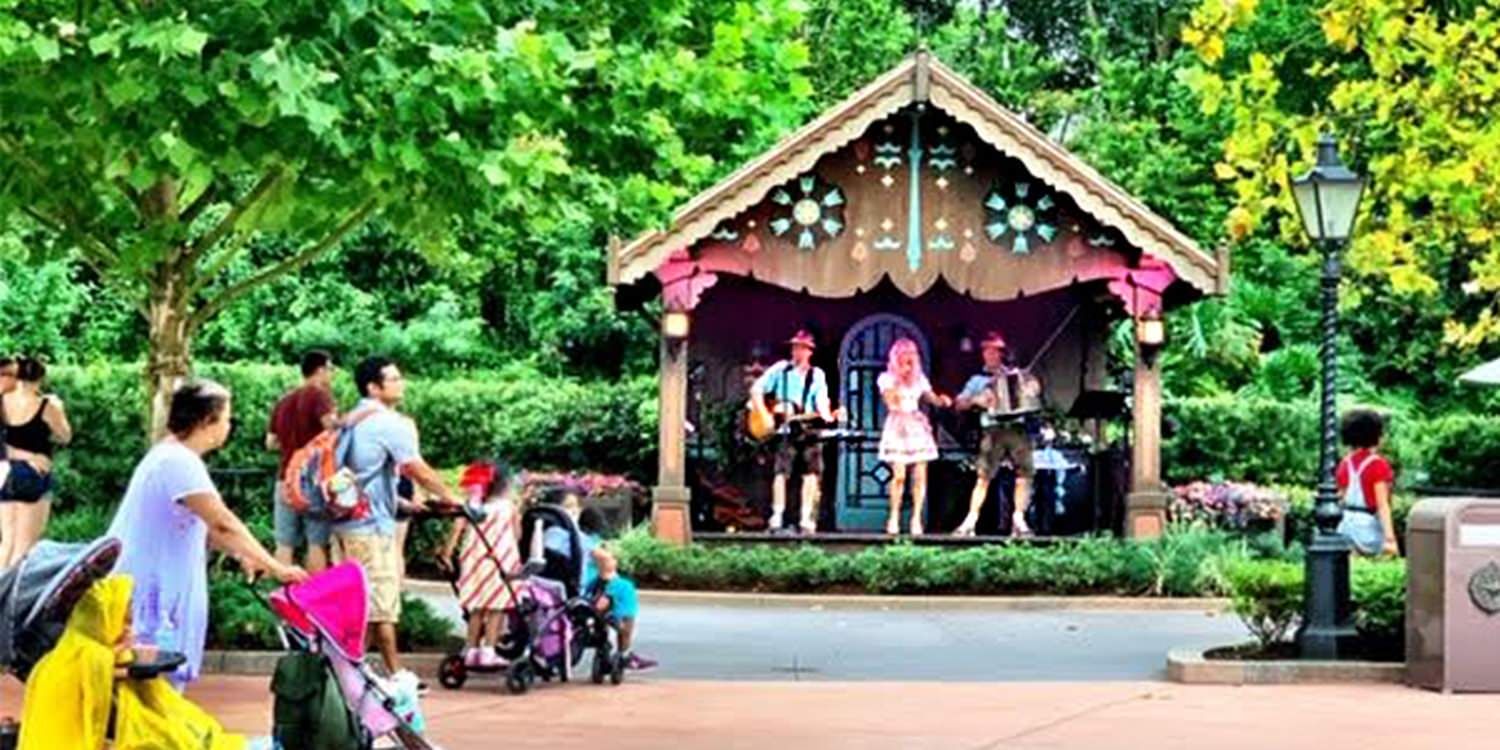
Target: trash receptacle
point(1453, 594)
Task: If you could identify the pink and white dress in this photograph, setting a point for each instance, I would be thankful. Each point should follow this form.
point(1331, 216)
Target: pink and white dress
point(480, 585)
point(907, 437)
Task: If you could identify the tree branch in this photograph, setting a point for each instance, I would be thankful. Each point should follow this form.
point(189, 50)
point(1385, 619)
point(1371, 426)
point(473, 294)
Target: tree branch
point(93, 252)
point(74, 227)
point(270, 273)
point(226, 256)
point(204, 200)
point(245, 203)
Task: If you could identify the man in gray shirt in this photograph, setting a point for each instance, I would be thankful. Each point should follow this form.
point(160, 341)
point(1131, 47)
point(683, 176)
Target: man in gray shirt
point(384, 449)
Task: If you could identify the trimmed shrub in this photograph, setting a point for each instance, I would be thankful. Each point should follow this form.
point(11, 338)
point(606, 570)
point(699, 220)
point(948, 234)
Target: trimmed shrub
point(529, 418)
point(1267, 597)
point(1175, 565)
point(1465, 452)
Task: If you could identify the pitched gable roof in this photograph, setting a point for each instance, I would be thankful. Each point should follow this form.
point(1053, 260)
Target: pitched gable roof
point(922, 79)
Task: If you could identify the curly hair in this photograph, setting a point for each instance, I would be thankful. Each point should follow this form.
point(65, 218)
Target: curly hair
point(1362, 428)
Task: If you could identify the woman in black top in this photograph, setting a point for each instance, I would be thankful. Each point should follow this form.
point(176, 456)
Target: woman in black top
point(34, 424)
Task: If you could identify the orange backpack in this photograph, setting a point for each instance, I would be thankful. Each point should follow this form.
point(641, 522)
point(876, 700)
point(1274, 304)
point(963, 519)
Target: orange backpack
point(318, 480)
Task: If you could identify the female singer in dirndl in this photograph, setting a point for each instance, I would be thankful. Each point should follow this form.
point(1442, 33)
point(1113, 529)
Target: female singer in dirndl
point(907, 439)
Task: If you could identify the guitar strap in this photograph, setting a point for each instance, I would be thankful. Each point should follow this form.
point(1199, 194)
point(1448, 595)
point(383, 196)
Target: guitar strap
point(807, 388)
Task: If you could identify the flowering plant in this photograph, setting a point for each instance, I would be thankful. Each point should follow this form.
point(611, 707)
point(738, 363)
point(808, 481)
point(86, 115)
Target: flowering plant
point(585, 485)
point(1230, 505)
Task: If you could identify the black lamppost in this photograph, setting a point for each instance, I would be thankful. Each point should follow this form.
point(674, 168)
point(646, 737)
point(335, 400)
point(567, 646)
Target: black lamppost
point(1328, 200)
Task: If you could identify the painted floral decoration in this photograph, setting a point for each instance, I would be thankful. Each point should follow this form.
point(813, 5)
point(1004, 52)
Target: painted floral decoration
point(810, 210)
point(1021, 214)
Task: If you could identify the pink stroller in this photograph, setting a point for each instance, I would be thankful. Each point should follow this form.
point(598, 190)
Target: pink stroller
point(327, 616)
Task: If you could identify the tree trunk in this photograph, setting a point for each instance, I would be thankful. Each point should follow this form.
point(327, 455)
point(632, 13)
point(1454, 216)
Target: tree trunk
point(168, 357)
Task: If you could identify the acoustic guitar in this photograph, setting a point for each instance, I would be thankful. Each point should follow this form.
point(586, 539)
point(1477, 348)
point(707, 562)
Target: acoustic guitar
point(773, 420)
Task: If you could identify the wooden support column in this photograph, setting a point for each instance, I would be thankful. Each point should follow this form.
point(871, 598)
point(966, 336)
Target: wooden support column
point(1146, 505)
point(670, 517)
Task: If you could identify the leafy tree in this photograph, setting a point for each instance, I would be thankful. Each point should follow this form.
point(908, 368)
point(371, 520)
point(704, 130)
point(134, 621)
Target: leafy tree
point(158, 140)
point(1408, 87)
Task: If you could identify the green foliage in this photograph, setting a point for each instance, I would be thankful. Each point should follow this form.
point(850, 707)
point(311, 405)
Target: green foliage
point(526, 417)
point(240, 620)
point(1176, 565)
point(1250, 440)
point(420, 627)
point(1267, 597)
point(237, 618)
point(1378, 588)
point(1465, 451)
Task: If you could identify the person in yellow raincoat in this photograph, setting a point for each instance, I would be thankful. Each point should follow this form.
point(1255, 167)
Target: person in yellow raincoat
point(69, 693)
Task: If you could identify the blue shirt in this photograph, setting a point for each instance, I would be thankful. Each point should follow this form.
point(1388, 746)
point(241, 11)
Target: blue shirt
point(556, 540)
point(383, 443)
point(791, 386)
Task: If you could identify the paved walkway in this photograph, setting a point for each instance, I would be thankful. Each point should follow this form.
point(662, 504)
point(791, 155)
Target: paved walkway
point(652, 713)
point(719, 640)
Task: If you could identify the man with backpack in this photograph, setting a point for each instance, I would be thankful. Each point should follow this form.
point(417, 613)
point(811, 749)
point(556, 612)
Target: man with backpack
point(298, 417)
point(382, 449)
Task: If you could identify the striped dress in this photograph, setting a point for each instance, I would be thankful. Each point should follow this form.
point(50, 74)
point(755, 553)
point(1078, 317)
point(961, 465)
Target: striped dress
point(480, 586)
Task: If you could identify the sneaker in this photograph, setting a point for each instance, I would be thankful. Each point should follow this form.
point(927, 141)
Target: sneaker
point(422, 690)
point(472, 657)
point(488, 659)
point(638, 663)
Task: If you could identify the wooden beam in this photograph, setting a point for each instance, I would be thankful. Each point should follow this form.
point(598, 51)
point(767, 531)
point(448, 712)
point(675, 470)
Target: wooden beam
point(670, 519)
point(1146, 505)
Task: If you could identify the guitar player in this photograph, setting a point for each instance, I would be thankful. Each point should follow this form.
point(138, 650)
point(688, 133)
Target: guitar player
point(800, 390)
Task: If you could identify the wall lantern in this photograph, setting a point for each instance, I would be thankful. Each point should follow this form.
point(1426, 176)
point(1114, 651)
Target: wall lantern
point(1150, 334)
point(675, 325)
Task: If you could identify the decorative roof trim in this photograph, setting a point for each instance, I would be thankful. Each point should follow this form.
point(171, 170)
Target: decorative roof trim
point(920, 78)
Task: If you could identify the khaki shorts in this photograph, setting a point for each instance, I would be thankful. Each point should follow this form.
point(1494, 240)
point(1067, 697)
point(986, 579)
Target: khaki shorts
point(1000, 443)
point(377, 554)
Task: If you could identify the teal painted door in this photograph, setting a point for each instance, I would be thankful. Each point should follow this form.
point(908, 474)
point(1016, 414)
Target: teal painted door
point(863, 479)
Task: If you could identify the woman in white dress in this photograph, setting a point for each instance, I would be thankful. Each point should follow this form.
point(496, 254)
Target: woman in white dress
point(907, 440)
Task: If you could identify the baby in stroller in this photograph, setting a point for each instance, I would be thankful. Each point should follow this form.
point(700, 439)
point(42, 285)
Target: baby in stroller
point(611, 594)
point(66, 632)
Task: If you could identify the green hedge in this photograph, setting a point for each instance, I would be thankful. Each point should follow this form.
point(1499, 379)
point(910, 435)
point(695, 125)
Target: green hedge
point(1182, 563)
point(1269, 442)
point(528, 418)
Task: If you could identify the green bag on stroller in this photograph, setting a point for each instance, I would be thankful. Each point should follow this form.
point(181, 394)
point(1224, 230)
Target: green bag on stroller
point(309, 711)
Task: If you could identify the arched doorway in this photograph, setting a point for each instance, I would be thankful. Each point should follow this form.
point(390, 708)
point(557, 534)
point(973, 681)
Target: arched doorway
point(863, 479)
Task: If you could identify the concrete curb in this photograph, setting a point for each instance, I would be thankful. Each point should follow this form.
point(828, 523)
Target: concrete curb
point(1189, 667)
point(263, 663)
point(867, 601)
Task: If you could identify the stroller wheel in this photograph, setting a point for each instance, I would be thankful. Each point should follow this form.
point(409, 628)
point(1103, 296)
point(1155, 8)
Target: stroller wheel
point(617, 669)
point(451, 672)
point(601, 666)
point(519, 678)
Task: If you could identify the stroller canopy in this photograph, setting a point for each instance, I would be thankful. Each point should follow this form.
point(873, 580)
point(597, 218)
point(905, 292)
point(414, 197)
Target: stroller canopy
point(38, 593)
point(564, 568)
point(332, 603)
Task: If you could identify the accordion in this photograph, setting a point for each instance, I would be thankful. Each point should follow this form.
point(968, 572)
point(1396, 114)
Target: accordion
point(1016, 394)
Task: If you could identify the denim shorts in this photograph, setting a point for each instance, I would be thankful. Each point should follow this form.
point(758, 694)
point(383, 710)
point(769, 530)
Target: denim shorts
point(295, 529)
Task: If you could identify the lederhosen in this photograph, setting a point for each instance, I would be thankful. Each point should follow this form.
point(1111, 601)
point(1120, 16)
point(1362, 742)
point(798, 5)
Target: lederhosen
point(1005, 440)
point(793, 449)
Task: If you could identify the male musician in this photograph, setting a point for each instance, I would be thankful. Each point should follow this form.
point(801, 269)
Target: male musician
point(799, 388)
point(1005, 435)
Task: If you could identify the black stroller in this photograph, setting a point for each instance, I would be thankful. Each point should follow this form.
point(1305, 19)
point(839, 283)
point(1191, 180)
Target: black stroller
point(38, 594)
point(560, 623)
